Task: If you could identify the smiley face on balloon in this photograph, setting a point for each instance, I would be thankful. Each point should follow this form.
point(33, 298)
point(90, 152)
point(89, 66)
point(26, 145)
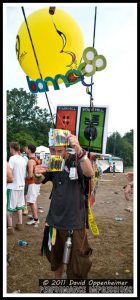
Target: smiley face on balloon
point(57, 41)
point(50, 43)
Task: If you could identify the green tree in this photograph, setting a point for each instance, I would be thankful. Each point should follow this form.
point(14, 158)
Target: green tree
point(27, 123)
point(126, 152)
point(24, 138)
point(129, 136)
point(121, 147)
point(113, 143)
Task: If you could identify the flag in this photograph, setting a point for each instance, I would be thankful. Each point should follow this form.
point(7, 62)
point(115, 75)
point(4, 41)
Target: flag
point(92, 128)
point(66, 118)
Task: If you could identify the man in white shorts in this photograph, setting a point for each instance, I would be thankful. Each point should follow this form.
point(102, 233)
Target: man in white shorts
point(23, 153)
point(15, 189)
point(33, 188)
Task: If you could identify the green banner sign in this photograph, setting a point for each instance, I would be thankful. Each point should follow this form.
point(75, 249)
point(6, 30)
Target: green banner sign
point(91, 128)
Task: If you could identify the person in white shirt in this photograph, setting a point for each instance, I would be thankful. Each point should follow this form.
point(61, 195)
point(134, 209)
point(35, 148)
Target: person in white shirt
point(9, 174)
point(22, 152)
point(15, 189)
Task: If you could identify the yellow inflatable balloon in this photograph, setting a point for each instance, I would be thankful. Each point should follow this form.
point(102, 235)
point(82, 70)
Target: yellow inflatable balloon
point(57, 41)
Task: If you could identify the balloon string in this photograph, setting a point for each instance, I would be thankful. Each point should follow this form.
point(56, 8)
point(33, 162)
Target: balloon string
point(91, 98)
point(64, 44)
point(37, 62)
point(94, 41)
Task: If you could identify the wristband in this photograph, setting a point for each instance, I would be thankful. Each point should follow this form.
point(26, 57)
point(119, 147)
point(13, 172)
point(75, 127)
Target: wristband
point(37, 177)
point(81, 155)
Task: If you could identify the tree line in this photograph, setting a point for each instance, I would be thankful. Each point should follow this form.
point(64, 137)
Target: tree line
point(27, 123)
point(121, 146)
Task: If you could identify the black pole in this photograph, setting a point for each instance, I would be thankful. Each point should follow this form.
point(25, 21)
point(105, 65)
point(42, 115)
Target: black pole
point(91, 98)
point(93, 42)
point(37, 62)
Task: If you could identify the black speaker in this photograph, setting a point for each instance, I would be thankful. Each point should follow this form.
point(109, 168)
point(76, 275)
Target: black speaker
point(90, 133)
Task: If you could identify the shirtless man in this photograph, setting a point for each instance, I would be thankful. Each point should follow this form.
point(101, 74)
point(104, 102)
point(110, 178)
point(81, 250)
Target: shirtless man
point(33, 188)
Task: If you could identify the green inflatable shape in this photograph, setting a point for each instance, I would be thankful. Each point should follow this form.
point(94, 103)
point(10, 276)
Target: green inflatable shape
point(81, 68)
point(101, 58)
point(85, 54)
point(88, 74)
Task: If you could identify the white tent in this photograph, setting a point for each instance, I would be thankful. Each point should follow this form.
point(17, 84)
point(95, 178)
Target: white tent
point(42, 149)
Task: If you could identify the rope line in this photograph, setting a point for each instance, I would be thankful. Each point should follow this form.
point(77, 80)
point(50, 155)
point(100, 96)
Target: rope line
point(37, 62)
point(91, 97)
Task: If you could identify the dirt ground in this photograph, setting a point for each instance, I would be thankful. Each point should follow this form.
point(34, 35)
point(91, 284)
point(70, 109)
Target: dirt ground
point(112, 250)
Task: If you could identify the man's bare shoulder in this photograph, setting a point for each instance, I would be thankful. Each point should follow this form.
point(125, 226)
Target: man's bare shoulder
point(31, 162)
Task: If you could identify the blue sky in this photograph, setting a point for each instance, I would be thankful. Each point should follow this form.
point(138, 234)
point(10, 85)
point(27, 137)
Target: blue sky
point(116, 39)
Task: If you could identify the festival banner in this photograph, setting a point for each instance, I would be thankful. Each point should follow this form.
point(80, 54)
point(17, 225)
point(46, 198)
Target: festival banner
point(92, 132)
point(66, 118)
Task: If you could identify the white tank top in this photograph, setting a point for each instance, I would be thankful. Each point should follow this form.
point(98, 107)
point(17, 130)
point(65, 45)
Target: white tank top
point(18, 165)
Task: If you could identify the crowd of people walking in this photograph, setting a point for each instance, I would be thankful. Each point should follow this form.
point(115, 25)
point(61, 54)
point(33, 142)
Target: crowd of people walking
point(21, 188)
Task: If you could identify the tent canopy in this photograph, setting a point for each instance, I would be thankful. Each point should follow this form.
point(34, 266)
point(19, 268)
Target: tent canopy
point(42, 149)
